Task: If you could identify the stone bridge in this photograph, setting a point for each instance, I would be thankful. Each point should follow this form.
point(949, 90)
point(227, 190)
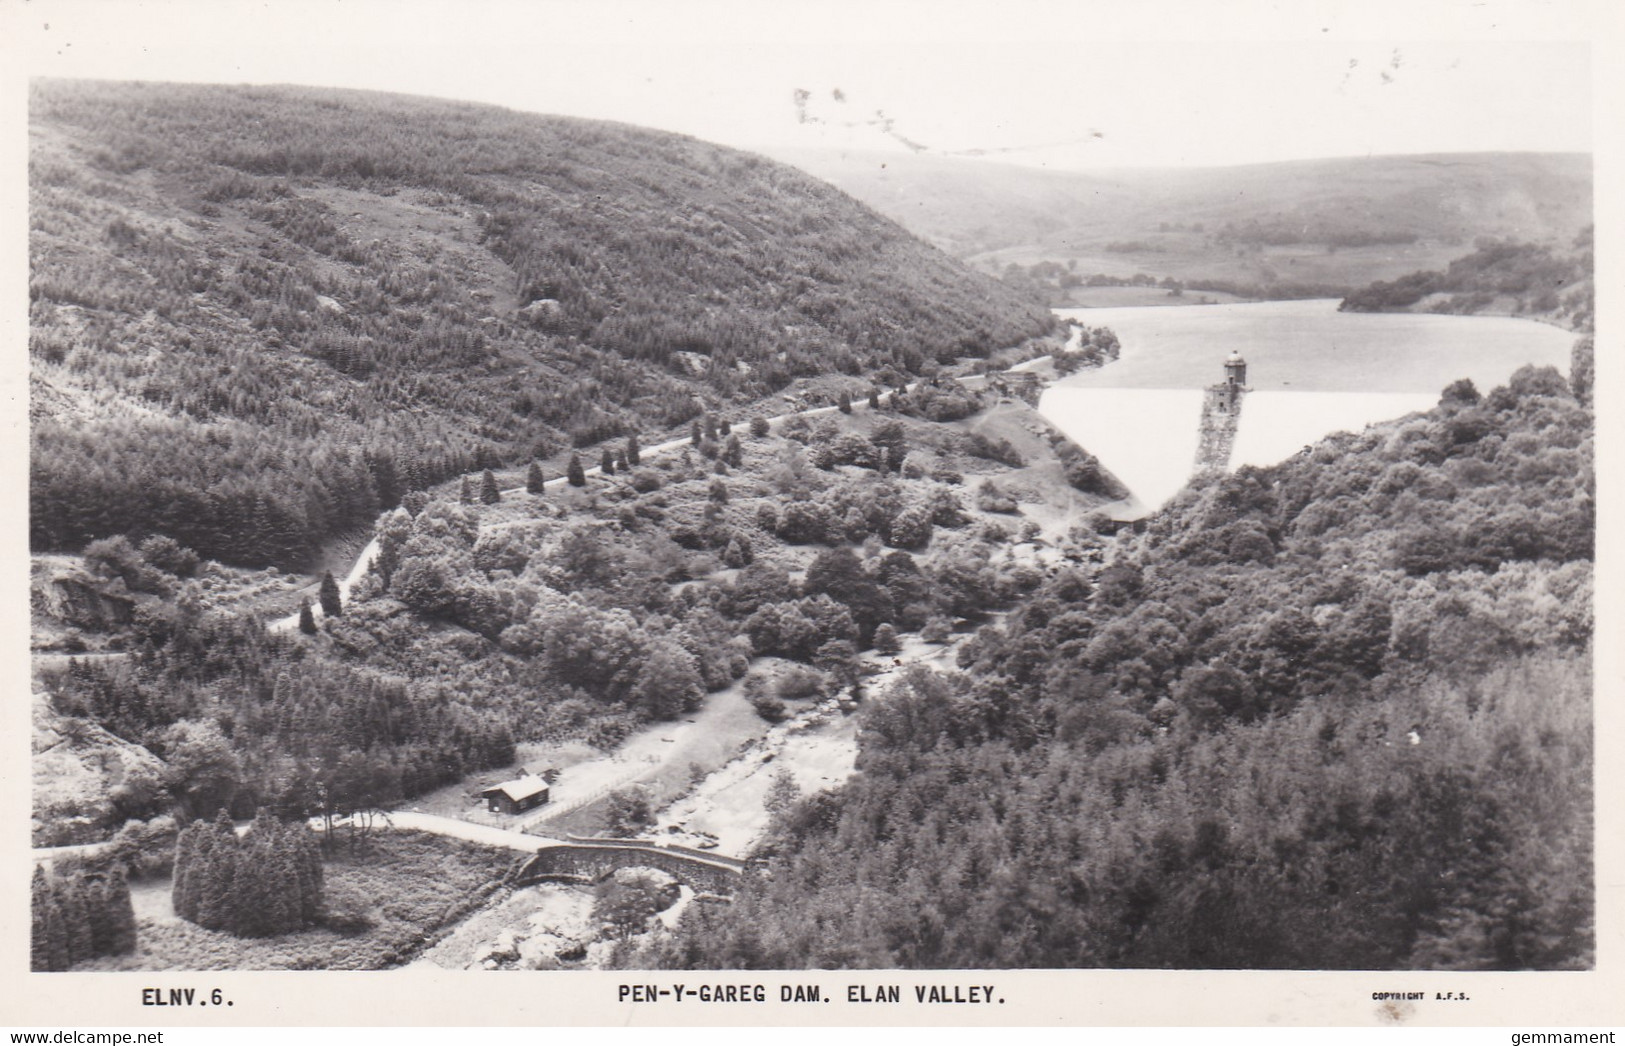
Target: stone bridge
point(592, 860)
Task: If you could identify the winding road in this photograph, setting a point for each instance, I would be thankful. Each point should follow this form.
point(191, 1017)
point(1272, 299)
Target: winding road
point(369, 553)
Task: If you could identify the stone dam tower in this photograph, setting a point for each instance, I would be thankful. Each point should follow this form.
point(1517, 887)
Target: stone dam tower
point(1221, 415)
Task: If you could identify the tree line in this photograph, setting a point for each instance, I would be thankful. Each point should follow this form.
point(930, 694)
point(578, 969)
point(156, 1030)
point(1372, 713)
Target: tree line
point(77, 917)
point(265, 882)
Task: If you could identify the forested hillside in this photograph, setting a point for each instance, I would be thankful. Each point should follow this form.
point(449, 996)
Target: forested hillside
point(1500, 276)
point(260, 315)
point(578, 612)
point(1331, 714)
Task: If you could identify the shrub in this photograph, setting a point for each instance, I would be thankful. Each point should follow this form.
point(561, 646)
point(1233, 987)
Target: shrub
point(989, 498)
point(627, 813)
point(116, 557)
point(349, 910)
point(798, 683)
point(804, 523)
point(170, 556)
point(768, 707)
point(910, 528)
point(626, 901)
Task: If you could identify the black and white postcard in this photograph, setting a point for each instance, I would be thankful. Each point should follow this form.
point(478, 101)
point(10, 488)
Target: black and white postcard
point(826, 514)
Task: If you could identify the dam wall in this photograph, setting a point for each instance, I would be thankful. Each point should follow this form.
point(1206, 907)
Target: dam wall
point(1276, 425)
point(1147, 438)
point(1216, 433)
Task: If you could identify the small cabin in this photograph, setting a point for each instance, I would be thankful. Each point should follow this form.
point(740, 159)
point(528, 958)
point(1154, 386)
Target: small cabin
point(516, 796)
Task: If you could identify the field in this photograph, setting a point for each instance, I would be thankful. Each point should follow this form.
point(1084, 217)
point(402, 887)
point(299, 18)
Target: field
point(1193, 259)
point(1149, 297)
point(410, 887)
point(658, 760)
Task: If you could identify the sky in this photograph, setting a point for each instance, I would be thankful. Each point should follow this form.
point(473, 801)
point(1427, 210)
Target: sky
point(1039, 82)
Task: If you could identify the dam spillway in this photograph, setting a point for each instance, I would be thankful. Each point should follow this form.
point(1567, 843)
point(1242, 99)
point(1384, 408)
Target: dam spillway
point(1147, 438)
point(1276, 425)
point(1152, 439)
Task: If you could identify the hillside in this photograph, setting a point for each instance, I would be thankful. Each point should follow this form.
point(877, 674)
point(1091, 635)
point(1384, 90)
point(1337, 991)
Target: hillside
point(1500, 277)
point(1335, 714)
point(582, 613)
point(1309, 226)
point(85, 779)
point(260, 315)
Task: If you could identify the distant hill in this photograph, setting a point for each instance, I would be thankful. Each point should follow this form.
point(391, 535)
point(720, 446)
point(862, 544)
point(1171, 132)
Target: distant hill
point(1500, 276)
point(260, 314)
point(1339, 223)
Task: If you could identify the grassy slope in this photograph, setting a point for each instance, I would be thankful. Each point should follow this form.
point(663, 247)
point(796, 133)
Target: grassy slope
point(999, 214)
point(409, 886)
point(270, 281)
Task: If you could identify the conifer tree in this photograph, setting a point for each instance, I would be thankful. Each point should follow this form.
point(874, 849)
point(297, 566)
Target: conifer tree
point(732, 452)
point(710, 429)
point(183, 888)
point(311, 879)
point(723, 428)
point(332, 603)
point(633, 451)
point(845, 403)
point(738, 552)
point(100, 922)
point(79, 917)
point(606, 463)
point(760, 426)
point(489, 494)
point(74, 904)
point(695, 432)
point(534, 483)
point(465, 493)
point(266, 882)
point(278, 884)
point(576, 475)
point(47, 948)
point(307, 620)
point(217, 901)
point(119, 912)
point(874, 398)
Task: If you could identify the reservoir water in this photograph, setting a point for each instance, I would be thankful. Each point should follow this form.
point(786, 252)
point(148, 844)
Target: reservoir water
point(1313, 371)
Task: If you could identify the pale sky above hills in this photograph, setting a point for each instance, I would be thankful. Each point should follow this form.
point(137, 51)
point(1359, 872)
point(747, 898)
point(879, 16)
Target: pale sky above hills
point(1040, 82)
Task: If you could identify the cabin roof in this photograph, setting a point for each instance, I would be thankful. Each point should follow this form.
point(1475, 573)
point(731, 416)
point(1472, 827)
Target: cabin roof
point(517, 789)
